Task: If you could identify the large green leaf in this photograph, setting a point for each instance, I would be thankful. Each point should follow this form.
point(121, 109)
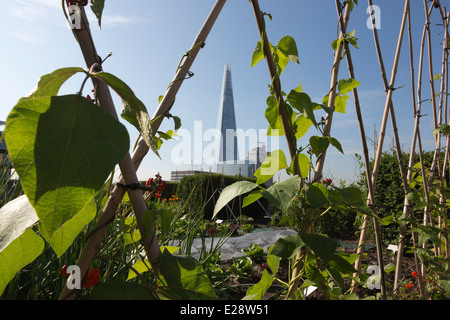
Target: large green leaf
point(273, 163)
point(15, 217)
point(19, 245)
point(304, 164)
point(282, 194)
point(63, 149)
point(317, 195)
point(272, 115)
point(318, 144)
point(302, 126)
point(182, 277)
point(288, 47)
point(49, 84)
point(287, 247)
point(257, 291)
point(252, 197)
point(346, 85)
point(322, 246)
point(232, 191)
point(302, 102)
point(20, 252)
point(134, 111)
point(280, 60)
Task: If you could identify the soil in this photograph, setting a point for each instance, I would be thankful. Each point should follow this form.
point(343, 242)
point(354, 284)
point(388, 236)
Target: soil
point(237, 288)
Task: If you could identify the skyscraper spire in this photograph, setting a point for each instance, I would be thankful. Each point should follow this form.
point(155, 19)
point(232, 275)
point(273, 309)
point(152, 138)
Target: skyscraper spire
point(226, 121)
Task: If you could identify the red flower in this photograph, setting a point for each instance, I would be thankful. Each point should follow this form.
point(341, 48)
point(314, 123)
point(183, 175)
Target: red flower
point(64, 273)
point(408, 286)
point(158, 183)
point(79, 2)
point(92, 278)
point(89, 97)
point(211, 231)
point(414, 274)
point(264, 266)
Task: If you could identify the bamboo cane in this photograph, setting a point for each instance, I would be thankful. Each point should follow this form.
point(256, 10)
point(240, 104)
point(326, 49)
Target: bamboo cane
point(117, 194)
point(393, 120)
point(405, 176)
point(407, 203)
point(447, 151)
point(103, 95)
point(320, 161)
point(435, 166)
point(381, 140)
point(442, 198)
point(367, 164)
point(276, 83)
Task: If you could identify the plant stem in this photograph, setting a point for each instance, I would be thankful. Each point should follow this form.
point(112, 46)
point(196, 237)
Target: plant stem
point(103, 94)
point(276, 83)
point(298, 265)
point(141, 150)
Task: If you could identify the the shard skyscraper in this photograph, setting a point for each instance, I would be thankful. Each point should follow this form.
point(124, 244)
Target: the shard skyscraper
point(226, 121)
point(228, 160)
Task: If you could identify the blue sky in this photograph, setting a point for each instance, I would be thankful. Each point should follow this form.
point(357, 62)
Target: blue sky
point(148, 39)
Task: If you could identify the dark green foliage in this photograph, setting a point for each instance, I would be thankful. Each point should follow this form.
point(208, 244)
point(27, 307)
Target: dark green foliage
point(338, 225)
point(205, 189)
point(389, 192)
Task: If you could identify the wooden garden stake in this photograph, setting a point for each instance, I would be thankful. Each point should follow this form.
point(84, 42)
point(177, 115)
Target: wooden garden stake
point(286, 126)
point(290, 138)
point(131, 164)
point(373, 179)
point(103, 95)
point(404, 175)
point(321, 159)
point(408, 208)
point(371, 200)
point(167, 101)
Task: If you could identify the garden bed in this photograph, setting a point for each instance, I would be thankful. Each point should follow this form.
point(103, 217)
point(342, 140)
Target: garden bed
point(237, 286)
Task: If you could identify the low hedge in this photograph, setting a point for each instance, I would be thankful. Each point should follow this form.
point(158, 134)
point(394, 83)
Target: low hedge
point(205, 189)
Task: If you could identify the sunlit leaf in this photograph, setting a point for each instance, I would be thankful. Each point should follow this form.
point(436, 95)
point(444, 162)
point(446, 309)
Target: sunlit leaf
point(50, 84)
point(182, 277)
point(287, 247)
point(346, 85)
point(282, 194)
point(63, 149)
point(232, 191)
point(288, 47)
point(257, 291)
point(134, 111)
point(20, 252)
point(302, 126)
point(273, 163)
point(258, 54)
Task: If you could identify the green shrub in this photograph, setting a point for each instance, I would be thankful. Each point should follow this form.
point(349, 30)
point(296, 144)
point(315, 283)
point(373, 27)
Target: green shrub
point(389, 192)
point(205, 189)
